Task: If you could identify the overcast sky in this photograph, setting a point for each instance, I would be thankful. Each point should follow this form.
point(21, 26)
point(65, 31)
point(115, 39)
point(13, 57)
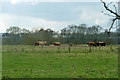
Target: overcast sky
point(54, 15)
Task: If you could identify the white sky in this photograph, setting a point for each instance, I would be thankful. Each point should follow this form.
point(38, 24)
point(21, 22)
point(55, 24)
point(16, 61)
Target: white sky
point(29, 14)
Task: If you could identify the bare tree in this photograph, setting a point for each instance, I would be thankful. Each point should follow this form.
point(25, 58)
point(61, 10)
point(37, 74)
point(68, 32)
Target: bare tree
point(113, 13)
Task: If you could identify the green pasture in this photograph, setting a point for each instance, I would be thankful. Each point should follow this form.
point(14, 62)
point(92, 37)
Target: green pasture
point(20, 61)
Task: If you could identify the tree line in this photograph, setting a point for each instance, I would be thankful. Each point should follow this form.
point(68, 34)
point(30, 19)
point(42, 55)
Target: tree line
point(74, 34)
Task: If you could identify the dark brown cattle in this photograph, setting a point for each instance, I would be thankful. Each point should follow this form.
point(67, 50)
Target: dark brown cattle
point(36, 44)
point(56, 43)
point(100, 43)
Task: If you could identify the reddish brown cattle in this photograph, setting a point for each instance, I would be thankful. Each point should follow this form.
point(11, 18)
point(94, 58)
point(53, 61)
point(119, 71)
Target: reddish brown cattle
point(91, 44)
point(56, 43)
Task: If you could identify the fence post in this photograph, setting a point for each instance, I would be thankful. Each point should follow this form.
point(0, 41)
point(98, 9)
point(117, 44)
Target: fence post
point(89, 48)
point(58, 47)
point(111, 49)
point(119, 56)
point(42, 47)
point(69, 48)
point(85, 48)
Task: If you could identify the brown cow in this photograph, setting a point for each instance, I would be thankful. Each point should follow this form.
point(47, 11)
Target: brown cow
point(100, 43)
point(91, 44)
point(40, 43)
point(56, 43)
point(36, 44)
point(70, 44)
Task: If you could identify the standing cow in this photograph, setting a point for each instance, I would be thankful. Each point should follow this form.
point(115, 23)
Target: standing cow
point(91, 44)
point(70, 44)
point(40, 43)
point(36, 44)
point(56, 43)
point(100, 43)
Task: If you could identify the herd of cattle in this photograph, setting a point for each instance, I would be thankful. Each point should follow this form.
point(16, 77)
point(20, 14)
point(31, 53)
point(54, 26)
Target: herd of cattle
point(70, 44)
point(96, 43)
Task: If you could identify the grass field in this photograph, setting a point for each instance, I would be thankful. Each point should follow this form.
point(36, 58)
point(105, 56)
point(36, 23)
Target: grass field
point(55, 62)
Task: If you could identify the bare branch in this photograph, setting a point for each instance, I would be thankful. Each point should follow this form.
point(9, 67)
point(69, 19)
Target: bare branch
point(108, 14)
point(115, 8)
point(108, 32)
point(116, 15)
point(112, 23)
point(110, 9)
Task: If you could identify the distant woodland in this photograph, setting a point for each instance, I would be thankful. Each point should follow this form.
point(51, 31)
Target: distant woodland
point(72, 33)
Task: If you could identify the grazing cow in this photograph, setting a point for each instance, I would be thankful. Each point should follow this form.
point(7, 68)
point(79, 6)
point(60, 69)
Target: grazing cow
point(56, 43)
point(70, 44)
point(91, 44)
point(40, 43)
point(100, 43)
